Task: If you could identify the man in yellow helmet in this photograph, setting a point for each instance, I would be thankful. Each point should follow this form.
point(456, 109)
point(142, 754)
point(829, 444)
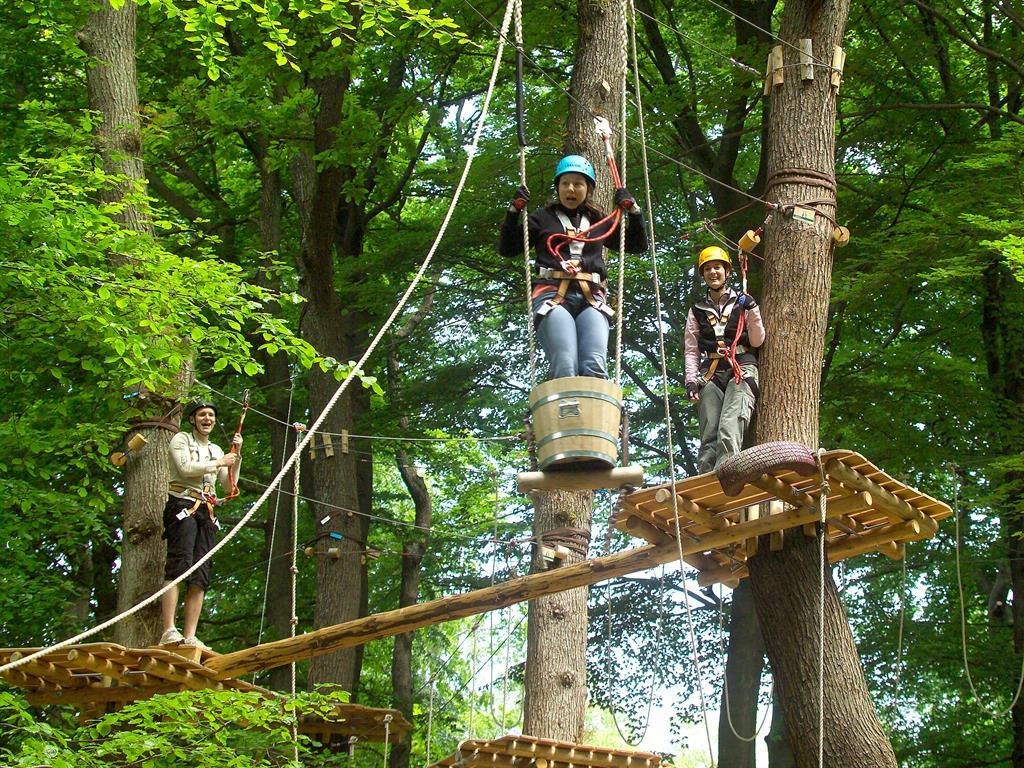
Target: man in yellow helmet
point(724, 406)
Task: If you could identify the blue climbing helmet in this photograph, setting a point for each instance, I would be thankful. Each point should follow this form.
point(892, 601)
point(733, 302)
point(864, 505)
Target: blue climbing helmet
point(575, 164)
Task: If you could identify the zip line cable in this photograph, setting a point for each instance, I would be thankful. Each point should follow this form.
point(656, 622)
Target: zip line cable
point(470, 154)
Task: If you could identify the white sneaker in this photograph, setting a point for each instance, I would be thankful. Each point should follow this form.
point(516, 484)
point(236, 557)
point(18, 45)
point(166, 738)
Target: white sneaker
point(170, 637)
point(194, 642)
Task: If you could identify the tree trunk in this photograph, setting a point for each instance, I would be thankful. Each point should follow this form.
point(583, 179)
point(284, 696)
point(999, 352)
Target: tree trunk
point(555, 697)
point(798, 266)
point(555, 694)
point(108, 38)
point(742, 683)
point(334, 330)
point(412, 557)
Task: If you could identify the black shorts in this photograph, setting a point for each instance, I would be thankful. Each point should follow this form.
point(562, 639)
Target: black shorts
point(188, 539)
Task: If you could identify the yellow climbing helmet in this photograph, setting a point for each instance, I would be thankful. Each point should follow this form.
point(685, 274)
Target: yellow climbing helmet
point(713, 253)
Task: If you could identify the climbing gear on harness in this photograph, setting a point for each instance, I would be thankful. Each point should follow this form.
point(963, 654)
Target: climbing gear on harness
point(232, 472)
point(197, 406)
point(713, 253)
point(575, 164)
point(745, 301)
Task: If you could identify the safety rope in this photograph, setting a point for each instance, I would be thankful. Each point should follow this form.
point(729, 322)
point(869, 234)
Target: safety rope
point(293, 620)
point(725, 683)
point(472, 682)
point(531, 333)
point(430, 721)
point(621, 277)
point(963, 621)
point(273, 528)
point(822, 565)
point(899, 635)
point(387, 737)
point(342, 387)
point(666, 405)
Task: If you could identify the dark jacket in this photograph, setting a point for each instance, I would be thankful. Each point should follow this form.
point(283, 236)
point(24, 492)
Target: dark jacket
point(544, 222)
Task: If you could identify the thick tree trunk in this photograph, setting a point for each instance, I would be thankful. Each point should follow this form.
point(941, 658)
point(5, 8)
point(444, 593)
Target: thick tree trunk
point(334, 330)
point(412, 556)
point(798, 266)
point(745, 660)
point(108, 38)
point(555, 698)
point(556, 639)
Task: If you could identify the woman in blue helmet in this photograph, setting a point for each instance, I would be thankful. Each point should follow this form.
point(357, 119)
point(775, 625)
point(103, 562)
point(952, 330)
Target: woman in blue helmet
point(570, 286)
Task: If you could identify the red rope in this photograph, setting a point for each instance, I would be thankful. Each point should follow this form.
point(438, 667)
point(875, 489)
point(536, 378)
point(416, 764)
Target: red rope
point(730, 353)
point(232, 472)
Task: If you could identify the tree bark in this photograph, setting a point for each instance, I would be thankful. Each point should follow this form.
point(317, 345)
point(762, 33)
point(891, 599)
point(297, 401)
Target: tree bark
point(108, 38)
point(555, 694)
point(555, 697)
point(797, 284)
point(744, 664)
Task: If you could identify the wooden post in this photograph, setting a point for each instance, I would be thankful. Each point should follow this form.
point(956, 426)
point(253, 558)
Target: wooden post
point(806, 59)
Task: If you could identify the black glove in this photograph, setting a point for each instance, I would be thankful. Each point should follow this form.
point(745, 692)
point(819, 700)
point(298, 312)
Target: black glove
point(692, 389)
point(521, 197)
point(746, 301)
point(623, 199)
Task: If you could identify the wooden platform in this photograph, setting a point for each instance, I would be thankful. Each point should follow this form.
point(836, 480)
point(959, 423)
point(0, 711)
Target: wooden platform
point(523, 751)
point(867, 511)
point(106, 673)
point(353, 723)
point(100, 677)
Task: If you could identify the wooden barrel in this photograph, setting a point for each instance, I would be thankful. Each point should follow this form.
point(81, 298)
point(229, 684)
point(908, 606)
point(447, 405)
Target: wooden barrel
point(576, 421)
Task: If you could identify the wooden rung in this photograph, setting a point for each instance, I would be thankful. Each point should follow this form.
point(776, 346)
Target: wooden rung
point(694, 511)
point(114, 695)
point(49, 671)
point(166, 671)
point(94, 663)
point(751, 512)
point(867, 542)
point(885, 501)
point(785, 492)
point(583, 480)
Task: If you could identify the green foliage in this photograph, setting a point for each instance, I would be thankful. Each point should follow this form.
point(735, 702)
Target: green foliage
point(226, 729)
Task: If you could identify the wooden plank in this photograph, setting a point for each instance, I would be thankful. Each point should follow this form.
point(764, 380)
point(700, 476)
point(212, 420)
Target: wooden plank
point(402, 620)
point(119, 694)
point(50, 672)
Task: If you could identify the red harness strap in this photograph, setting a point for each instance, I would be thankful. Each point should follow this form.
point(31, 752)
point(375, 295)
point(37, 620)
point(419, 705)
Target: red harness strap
point(232, 472)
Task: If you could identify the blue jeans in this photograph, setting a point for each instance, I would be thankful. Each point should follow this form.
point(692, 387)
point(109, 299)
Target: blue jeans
point(574, 337)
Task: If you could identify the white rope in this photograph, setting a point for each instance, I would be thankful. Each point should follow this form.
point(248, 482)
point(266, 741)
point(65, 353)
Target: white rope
point(294, 618)
point(472, 683)
point(822, 565)
point(273, 526)
point(387, 737)
point(725, 682)
point(620, 278)
point(430, 723)
point(525, 221)
point(663, 355)
point(963, 624)
point(297, 453)
point(899, 636)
